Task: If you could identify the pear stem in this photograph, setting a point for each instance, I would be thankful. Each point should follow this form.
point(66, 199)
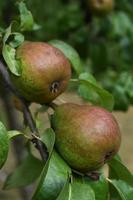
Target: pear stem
point(26, 112)
point(95, 175)
point(53, 105)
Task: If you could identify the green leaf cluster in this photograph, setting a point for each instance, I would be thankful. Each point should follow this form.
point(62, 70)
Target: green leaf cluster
point(12, 37)
point(56, 180)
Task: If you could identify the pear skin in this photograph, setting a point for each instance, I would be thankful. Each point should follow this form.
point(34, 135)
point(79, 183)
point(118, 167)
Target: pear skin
point(45, 72)
point(86, 136)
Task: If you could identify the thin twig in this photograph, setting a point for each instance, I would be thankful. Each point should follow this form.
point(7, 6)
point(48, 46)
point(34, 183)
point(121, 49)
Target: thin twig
point(26, 112)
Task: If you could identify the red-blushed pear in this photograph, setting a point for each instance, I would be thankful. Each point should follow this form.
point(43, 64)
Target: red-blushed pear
point(45, 72)
point(101, 6)
point(86, 136)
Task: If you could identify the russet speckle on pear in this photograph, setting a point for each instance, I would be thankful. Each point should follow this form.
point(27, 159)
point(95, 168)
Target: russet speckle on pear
point(45, 72)
point(86, 136)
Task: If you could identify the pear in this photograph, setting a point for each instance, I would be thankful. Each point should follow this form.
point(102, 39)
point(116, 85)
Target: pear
point(45, 72)
point(86, 136)
point(101, 6)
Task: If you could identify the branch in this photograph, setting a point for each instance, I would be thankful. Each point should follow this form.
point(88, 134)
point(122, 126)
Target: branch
point(26, 112)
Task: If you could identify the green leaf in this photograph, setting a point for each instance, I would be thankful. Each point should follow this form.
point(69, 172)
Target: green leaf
point(100, 188)
point(54, 180)
point(14, 133)
point(114, 195)
point(26, 18)
point(70, 53)
point(65, 192)
point(41, 109)
point(102, 97)
point(121, 99)
point(4, 145)
point(81, 190)
point(125, 191)
point(48, 137)
point(121, 24)
point(77, 190)
point(118, 171)
point(18, 39)
point(9, 57)
point(1, 30)
point(89, 94)
point(25, 174)
point(7, 33)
